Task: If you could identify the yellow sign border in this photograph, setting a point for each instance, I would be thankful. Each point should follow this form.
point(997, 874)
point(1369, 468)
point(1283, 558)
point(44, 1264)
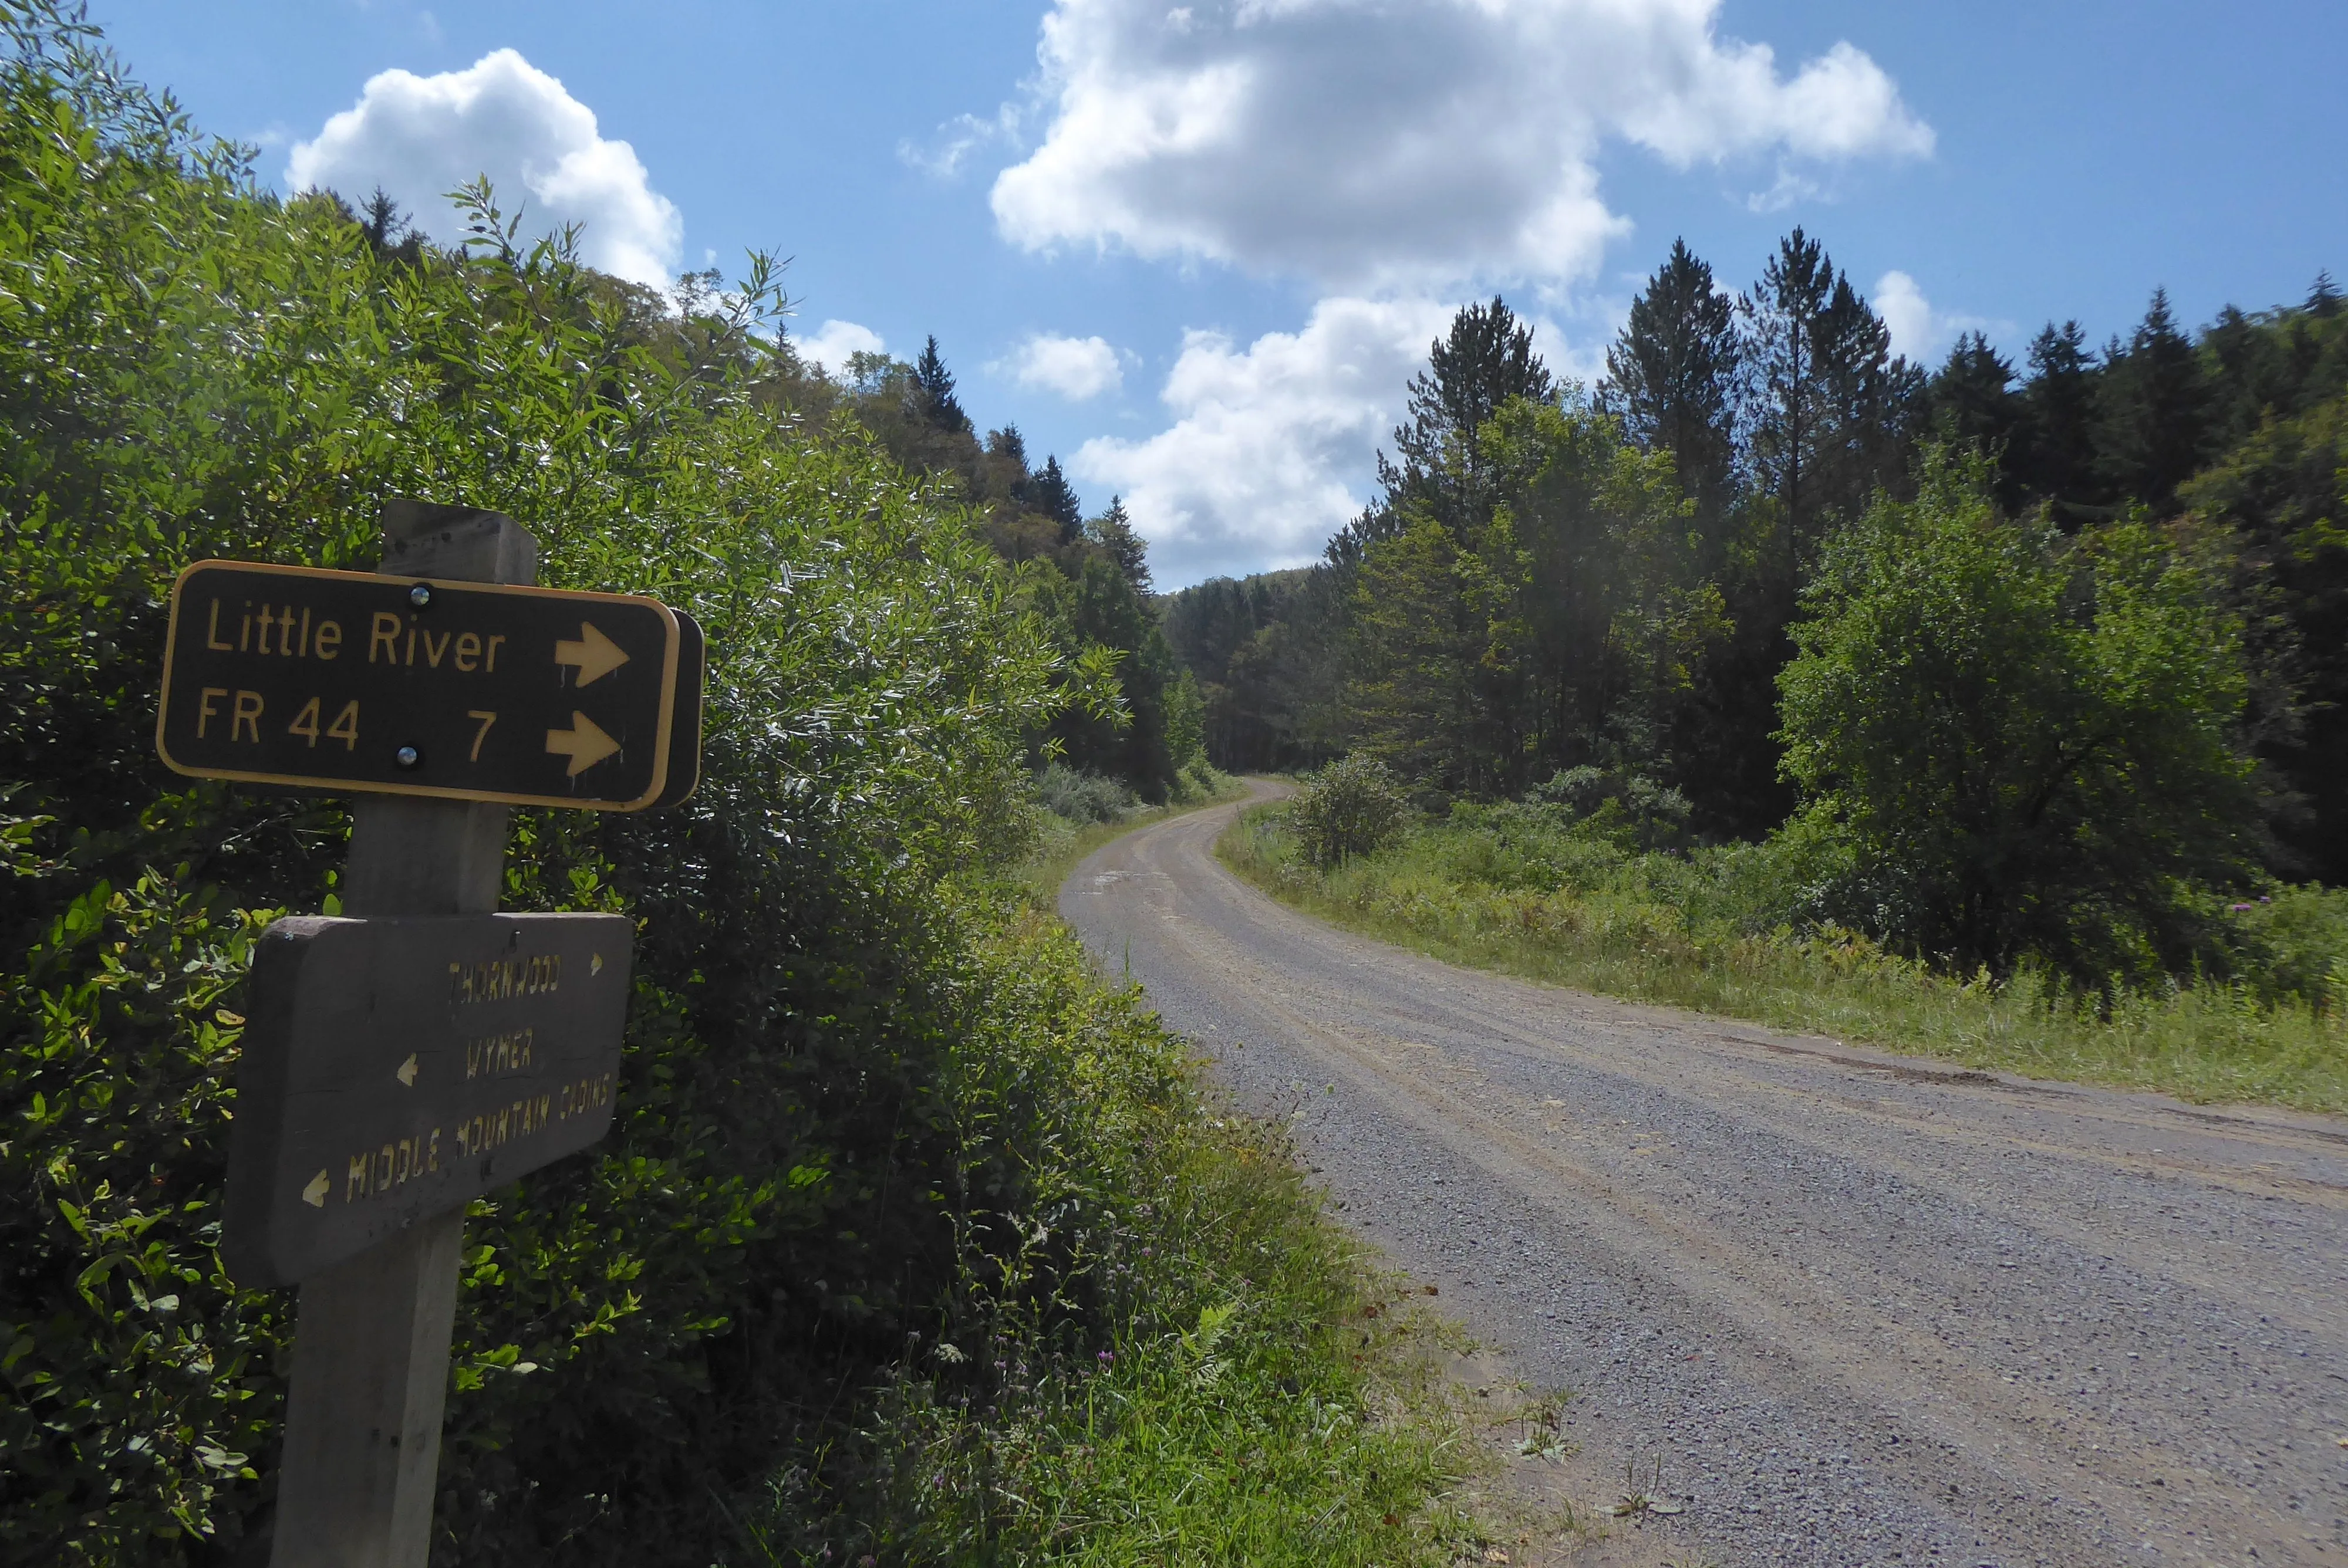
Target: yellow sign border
point(362, 786)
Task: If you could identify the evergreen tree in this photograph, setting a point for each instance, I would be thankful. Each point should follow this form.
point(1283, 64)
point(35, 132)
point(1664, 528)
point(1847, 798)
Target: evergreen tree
point(381, 221)
point(1974, 406)
point(1782, 316)
point(1672, 376)
point(1830, 414)
point(2057, 460)
point(2152, 412)
point(932, 390)
point(1050, 495)
point(1486, 359)
point(1113, 531)
point(1832, 406)
point(2323, 298)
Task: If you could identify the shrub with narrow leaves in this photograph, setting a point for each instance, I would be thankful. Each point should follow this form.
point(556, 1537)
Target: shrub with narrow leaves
point(1353, 806)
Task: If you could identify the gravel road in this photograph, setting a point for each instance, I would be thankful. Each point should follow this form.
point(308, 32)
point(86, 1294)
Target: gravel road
point(1869, 1309)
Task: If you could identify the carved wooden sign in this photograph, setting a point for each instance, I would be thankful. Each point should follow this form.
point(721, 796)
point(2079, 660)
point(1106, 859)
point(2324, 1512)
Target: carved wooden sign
point(354, 680)
point(395, 1068)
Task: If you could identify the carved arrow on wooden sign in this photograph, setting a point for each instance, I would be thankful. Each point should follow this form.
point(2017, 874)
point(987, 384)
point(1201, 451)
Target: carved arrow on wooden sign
point(504, 1031)
point(594, 655)
point(584, 743)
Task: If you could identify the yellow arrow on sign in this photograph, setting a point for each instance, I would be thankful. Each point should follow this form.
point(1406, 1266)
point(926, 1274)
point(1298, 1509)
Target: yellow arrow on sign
point(584, 743)
point(594, 654)
point(407, 1073)
point(314, 1194)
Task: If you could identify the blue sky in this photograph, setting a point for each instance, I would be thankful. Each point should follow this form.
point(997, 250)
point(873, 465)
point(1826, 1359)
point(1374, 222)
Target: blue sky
point(1261, 209)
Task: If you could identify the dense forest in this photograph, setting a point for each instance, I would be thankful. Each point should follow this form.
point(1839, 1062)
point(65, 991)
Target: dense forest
point(2076, 622)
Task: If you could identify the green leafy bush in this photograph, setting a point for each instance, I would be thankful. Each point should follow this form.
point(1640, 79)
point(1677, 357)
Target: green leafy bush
point(1080, 797)
point(2030, 744)
point(1629, 808)
point(1352, 806)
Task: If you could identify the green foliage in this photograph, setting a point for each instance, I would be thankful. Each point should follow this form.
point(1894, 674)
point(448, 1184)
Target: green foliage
point(2029, 745)
point(1087, 579)
point(1251, 1378)
point(1092, 605)
point(2281, 494)
point(141, 1394)
point(1351, 807)
point(1552, 633)
point(1628, 808)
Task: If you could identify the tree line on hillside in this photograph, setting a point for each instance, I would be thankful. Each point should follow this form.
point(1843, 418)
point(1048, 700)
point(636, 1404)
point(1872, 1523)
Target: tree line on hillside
point(1088, 576)
point(1555, 578)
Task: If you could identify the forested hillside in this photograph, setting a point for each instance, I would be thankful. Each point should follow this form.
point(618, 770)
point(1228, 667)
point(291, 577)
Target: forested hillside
point(910, 1236)
point(1089, 578)
point(2037, 660)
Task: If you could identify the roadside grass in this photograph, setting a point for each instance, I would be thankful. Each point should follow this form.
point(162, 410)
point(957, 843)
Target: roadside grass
point(1607, 930)
point(1301, 1417)
point(1179, 1358)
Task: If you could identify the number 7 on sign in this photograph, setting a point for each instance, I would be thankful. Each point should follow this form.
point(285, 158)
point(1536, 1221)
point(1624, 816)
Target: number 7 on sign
point(486, 719)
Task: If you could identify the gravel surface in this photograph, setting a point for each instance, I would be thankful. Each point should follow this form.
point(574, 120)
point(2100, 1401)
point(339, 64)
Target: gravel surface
point(1868, 1308)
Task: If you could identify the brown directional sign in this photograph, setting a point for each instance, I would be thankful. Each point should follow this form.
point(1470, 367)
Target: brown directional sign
point(351, 680)
point(396, 1069)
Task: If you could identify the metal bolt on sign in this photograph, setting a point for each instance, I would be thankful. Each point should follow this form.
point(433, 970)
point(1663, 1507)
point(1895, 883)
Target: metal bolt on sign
point(421, 1049)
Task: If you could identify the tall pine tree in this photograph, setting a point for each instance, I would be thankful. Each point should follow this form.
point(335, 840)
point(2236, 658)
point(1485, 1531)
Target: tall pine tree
point(1050, 495)
point(1829, 415)
point(1832, 410)
point(1486, 359)
point(1974, 405)
point(1113, 532)
point(932, 390)
point(2057, 461)
point(2153, 412)
point(1672, 377)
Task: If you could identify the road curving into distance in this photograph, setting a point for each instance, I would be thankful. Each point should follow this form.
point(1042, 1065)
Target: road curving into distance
point(1867, 1309)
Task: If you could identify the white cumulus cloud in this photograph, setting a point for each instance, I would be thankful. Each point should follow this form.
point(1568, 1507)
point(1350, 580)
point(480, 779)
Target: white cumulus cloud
point(1272, 445)
point(1397, 146)
point(831, 345)
point(1907, 313)
point(1075, 367)
point(1918, 331)
point(418, 137)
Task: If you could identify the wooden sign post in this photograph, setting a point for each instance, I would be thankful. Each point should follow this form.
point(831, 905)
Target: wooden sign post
point(420, 1050)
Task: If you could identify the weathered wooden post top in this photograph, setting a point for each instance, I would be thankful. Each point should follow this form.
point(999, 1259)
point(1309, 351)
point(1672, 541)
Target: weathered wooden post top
point(420, 1050)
